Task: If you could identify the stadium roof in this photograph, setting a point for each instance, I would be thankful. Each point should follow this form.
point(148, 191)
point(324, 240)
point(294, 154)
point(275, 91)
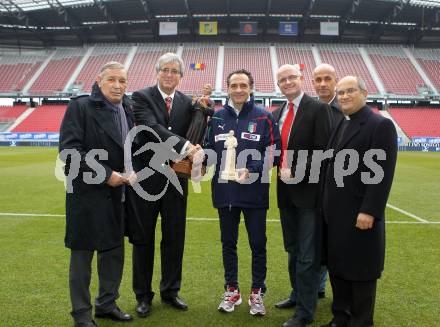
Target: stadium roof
point(29, 5)
point(46, 23)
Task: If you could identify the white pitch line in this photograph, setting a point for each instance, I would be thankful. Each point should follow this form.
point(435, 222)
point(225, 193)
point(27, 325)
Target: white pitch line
point(30, 214)
point(13, 214)
point(409, 214)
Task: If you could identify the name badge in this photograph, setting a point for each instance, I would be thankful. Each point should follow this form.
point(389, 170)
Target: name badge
point(221, 137)
point(250, 137)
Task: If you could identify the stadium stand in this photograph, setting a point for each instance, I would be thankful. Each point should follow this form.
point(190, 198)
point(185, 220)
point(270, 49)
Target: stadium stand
point(54, 77)
point(253, 57)
point(195, 78)
point(45, 118)
point(100, 56)
point(298, 54)
point(347, 61)
point(10, 113)
point(141, 72)
point(420, 121)
point(395, 69)
point(16, 69)
point(429, 59)
point(391, 62)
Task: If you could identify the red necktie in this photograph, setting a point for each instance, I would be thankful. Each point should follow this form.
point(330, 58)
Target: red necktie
point(287, 125)
point(168, 103)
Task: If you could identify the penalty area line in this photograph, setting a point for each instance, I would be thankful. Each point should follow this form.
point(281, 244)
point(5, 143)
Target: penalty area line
point(409, 214)
point(15, 214)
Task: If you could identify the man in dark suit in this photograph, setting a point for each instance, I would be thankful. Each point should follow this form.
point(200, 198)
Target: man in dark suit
point(167, 113)
point(353, 204)
point(324, 82)
point(95, 206)
point(304, 127)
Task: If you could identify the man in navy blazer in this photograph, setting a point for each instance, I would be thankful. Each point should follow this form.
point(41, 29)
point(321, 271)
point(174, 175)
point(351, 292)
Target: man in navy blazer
point(304, 127)
point(167, 113)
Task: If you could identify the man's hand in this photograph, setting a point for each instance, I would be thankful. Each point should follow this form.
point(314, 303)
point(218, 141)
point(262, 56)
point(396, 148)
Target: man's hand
point(116, 179)
point(243, 174)
point(285, 174)
point(131, 178)
point(199, 156)
point(191, 150)
point(364, 221)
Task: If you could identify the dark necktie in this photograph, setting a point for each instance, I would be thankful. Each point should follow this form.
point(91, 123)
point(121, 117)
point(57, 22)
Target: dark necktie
point(285, 131)
point(168, 104)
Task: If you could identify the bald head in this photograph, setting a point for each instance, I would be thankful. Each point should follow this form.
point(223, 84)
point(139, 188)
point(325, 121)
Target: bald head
point(324, 68)
point(324, 82)
point(352, 94)
point(289, 79)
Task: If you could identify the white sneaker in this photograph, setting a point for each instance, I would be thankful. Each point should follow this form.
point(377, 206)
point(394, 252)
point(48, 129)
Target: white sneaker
point(256, 303)
point(231, 298)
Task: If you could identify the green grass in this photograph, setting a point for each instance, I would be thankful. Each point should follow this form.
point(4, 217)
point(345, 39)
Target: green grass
point(34, 262)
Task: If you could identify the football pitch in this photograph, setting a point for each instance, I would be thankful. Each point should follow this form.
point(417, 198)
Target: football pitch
point(34, 261)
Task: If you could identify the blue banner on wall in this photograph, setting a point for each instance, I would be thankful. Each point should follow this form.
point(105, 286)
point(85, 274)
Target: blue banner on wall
point(12, 136)
point(288, 28)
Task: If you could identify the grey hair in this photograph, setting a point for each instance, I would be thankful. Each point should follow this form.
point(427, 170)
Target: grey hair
point(167, 58)
point(361, 84)
point(111, 65)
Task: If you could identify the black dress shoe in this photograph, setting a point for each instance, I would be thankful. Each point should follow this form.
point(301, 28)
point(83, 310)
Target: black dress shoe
point(295, 322)
point(285, 304)
point(86, 324)
point(175, 302)
point(321, 295)
point(143, 309)
point(333, 324)
point(116, 314)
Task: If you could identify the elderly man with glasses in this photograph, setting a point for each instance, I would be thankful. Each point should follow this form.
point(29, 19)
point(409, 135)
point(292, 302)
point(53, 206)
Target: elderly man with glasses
point(167, 113)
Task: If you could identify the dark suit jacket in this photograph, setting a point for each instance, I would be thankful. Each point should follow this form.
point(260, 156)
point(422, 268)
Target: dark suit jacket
point(150, 110)
point(335, 114)
point(93, 211)
point(355, 254)
point(310, 131)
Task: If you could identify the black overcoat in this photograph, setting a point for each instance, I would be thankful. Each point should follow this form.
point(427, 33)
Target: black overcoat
point(94, 218)
point(352, 253)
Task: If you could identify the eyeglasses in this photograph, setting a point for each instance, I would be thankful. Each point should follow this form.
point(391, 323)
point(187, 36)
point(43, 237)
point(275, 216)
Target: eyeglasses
point(167, 71)
point(349, 91)
point(290, 78)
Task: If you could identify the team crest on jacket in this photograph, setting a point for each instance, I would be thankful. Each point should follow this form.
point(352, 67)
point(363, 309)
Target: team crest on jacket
point(252, 127)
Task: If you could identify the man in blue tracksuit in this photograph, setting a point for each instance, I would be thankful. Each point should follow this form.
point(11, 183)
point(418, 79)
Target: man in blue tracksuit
point(257, 137)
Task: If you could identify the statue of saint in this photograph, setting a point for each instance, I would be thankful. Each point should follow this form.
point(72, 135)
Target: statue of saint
point(230, 173)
